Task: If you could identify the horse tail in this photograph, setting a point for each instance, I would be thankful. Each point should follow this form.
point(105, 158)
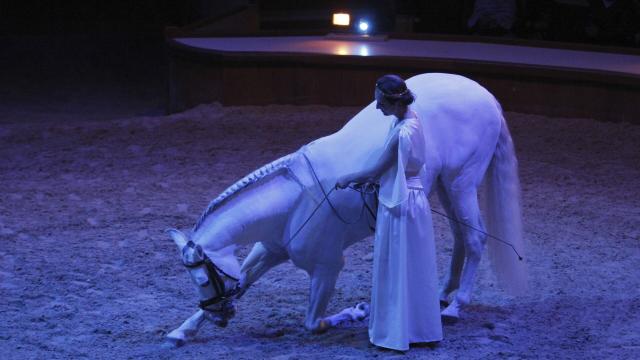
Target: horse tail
point(504, 218)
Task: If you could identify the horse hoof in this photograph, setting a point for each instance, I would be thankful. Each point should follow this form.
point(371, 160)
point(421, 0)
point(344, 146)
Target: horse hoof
point(221, 322)
point(172, 343)
point(360, 311)
point(363, 306)
point(360, 317)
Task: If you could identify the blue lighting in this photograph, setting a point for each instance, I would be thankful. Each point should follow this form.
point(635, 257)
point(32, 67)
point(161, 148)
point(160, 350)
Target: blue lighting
point(363, 26)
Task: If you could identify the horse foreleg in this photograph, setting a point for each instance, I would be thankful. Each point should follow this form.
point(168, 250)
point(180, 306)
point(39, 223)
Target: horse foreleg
point(355, 313)
point(323, 282)
point(468, 212)
point(258, 262)
point(187, 330)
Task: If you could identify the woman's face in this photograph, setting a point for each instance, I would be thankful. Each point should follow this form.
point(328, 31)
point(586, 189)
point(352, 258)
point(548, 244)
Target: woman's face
point(383, 104)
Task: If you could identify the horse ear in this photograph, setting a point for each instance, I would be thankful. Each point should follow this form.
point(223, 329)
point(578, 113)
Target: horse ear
point(200, 251)
point(178, 237)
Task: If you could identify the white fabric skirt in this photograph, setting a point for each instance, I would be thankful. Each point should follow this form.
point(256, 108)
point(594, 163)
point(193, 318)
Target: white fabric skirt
point(405, 307)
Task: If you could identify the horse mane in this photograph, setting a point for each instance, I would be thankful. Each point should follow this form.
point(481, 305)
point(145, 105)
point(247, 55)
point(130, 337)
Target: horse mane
point(241, 184)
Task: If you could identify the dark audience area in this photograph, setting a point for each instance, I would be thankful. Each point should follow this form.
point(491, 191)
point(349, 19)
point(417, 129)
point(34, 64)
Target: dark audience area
point(55, 51)
point(603, 22)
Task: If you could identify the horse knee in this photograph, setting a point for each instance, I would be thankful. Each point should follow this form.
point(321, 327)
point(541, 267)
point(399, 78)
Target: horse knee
point(463, 298)
point(317, 326)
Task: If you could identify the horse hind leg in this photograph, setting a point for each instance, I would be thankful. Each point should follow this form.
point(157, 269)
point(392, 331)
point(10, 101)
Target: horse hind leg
point(467, 211)
point(452, 279)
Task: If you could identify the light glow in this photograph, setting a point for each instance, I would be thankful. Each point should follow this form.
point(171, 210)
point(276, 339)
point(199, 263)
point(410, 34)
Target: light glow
point(342, 50)
point(341, 19)
point(363, 26)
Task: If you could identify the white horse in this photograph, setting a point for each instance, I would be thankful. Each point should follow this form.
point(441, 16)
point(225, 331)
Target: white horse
point(283, 209)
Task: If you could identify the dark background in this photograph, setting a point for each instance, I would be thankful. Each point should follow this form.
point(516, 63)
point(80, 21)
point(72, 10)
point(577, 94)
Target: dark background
point(557, 20)
point(92, 59)
point(105, 59)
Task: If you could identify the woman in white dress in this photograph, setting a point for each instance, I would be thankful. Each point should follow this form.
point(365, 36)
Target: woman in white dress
point(404, 300)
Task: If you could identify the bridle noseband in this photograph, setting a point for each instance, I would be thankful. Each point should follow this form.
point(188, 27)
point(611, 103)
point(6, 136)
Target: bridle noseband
point(214, 276)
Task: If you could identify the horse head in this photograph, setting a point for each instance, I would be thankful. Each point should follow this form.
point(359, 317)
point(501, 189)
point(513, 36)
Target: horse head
point(212, 284)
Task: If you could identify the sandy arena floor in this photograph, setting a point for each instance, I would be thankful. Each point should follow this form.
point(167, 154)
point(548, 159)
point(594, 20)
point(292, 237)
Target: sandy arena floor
point(86, 271)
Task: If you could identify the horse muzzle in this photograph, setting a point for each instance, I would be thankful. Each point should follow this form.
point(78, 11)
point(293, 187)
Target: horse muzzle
point(208, 278)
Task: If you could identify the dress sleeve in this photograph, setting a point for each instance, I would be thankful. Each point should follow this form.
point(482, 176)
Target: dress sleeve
point(393, 183)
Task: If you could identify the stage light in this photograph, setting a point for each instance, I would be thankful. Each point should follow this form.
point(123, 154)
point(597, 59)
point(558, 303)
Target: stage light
point(341, 19)
point(363, 26)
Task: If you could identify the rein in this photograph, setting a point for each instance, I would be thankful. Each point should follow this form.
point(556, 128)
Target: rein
point(326, 197)
point(326, 194)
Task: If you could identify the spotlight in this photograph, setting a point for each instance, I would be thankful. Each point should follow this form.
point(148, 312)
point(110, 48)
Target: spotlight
point(354, 26)
point(363, 26)
point(341, 19)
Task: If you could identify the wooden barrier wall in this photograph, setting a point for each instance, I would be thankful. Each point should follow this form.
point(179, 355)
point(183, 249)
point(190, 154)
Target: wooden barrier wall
point(202, 76)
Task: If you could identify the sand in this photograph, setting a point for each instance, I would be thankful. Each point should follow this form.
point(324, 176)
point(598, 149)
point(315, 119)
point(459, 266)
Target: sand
point(86, 271)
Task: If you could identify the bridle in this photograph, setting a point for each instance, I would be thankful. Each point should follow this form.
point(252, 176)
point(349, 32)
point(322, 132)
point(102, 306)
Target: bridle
point(214, 275)
point(221, 302)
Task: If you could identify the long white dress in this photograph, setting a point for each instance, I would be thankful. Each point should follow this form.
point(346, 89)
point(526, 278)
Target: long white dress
point(404, 302)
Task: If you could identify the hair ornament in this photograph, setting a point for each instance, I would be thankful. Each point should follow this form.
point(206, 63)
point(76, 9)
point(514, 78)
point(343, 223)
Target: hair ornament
point(393, 96)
